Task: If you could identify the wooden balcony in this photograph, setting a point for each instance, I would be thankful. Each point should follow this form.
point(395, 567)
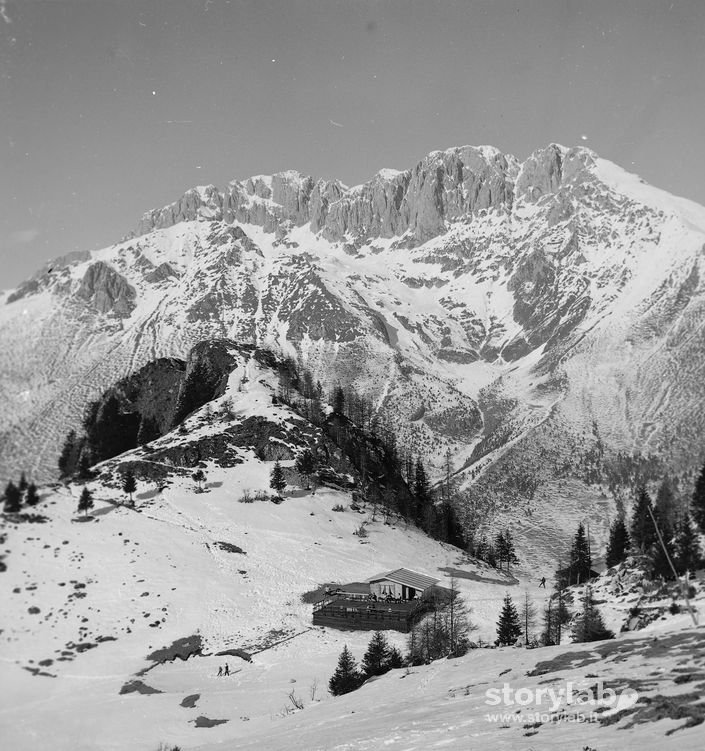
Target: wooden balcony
point(360, 614)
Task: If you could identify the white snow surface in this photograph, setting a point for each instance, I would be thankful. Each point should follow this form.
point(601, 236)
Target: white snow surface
point(86, 602)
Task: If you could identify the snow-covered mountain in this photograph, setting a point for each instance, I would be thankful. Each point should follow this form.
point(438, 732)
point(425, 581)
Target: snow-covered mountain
point(533, 317)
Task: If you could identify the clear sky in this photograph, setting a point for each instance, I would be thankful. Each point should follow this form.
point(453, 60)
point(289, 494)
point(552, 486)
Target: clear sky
point(112, 107)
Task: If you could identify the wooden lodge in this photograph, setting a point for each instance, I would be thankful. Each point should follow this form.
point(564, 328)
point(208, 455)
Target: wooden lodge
point(391, 600)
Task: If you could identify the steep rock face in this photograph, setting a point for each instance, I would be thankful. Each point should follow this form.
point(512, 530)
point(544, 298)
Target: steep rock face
point(106, 291)
point(196, 203)
point(443, 187)
point(153, 390)
point(205, 377)
point(372, 210)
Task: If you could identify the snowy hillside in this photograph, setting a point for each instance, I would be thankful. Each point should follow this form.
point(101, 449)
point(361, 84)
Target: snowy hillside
point(97, 606)
point(115, 623)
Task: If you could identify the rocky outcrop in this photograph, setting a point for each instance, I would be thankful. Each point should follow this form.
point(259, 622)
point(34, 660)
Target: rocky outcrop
point(106, 291)
point(207, 368)
point(205, 202)
point(444, 187)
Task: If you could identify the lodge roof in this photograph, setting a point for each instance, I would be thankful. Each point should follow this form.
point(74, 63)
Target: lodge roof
point(407, 577)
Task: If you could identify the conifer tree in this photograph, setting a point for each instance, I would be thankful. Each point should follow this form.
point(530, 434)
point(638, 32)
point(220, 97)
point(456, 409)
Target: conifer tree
point(508, 626)
point(346, 677)
point(481, 549)
point(527, 614)
point(618, 545)
point(69, 455)
point(580, 559)
point(549, 635)
point(491, 556)
point(13, 498)
point(84, 466)
point(376, 658)
point(642, 530)
point(32, 497)
point(199, 477)
point(338, 400)
point(500, 548)
point(687, 547)
point(306, 465)
point(395, 659)
point(509, 551)
point(665, 507)
point(277, 481)
point(456, 623)
point(699, 500)
point(129, 484)
point(85, 502)
point(22, 485)
point(422, 491)
point(661, 555)
point(589, 625)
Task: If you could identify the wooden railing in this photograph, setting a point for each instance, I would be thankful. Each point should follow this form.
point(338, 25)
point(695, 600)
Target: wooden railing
point(335, 611)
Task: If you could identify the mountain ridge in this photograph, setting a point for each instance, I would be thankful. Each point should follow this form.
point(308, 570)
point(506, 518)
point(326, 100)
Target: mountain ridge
point(487, 307)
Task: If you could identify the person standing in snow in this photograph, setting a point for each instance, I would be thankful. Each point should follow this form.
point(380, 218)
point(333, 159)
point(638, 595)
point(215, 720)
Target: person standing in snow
point(220, 671)
point(543, 582)
point(227, 669)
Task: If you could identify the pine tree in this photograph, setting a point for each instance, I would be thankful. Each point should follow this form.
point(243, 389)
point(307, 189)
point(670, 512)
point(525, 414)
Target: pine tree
point(277, 481)
point(67, 451)
point(32, 497)
point(589, 626)
point(85, 502)
point(376, 658)
point(13, 498)
point(129, 484)
point(22, 485)
point(395, 659)
point(699, 500)
point(457, 623)
point(661, 555)
point(666, 510)
point(199, 477)
point(69, 454)
point(618, 545)
point(84, 466)
point(509, 551)
point(339, 400)
point(580, 559)
point(642, 531)
point(501, 549)
point(306, 465)
point(549, 635)
point(482, 549)
point(346, 677)
point(422, 491)
point(508, 626)
point(687, 547)
point(527, 614)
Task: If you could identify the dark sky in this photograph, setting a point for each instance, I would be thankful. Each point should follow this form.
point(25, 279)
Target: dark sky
point(112, 107)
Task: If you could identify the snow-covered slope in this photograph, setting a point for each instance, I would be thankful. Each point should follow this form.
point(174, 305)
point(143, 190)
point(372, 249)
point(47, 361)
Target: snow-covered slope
point(91, 604)
point(534, 318)
point(445, 705)
point(114, 625)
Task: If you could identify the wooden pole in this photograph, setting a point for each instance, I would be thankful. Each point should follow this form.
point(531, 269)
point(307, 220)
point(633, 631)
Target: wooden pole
point(684, 582)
